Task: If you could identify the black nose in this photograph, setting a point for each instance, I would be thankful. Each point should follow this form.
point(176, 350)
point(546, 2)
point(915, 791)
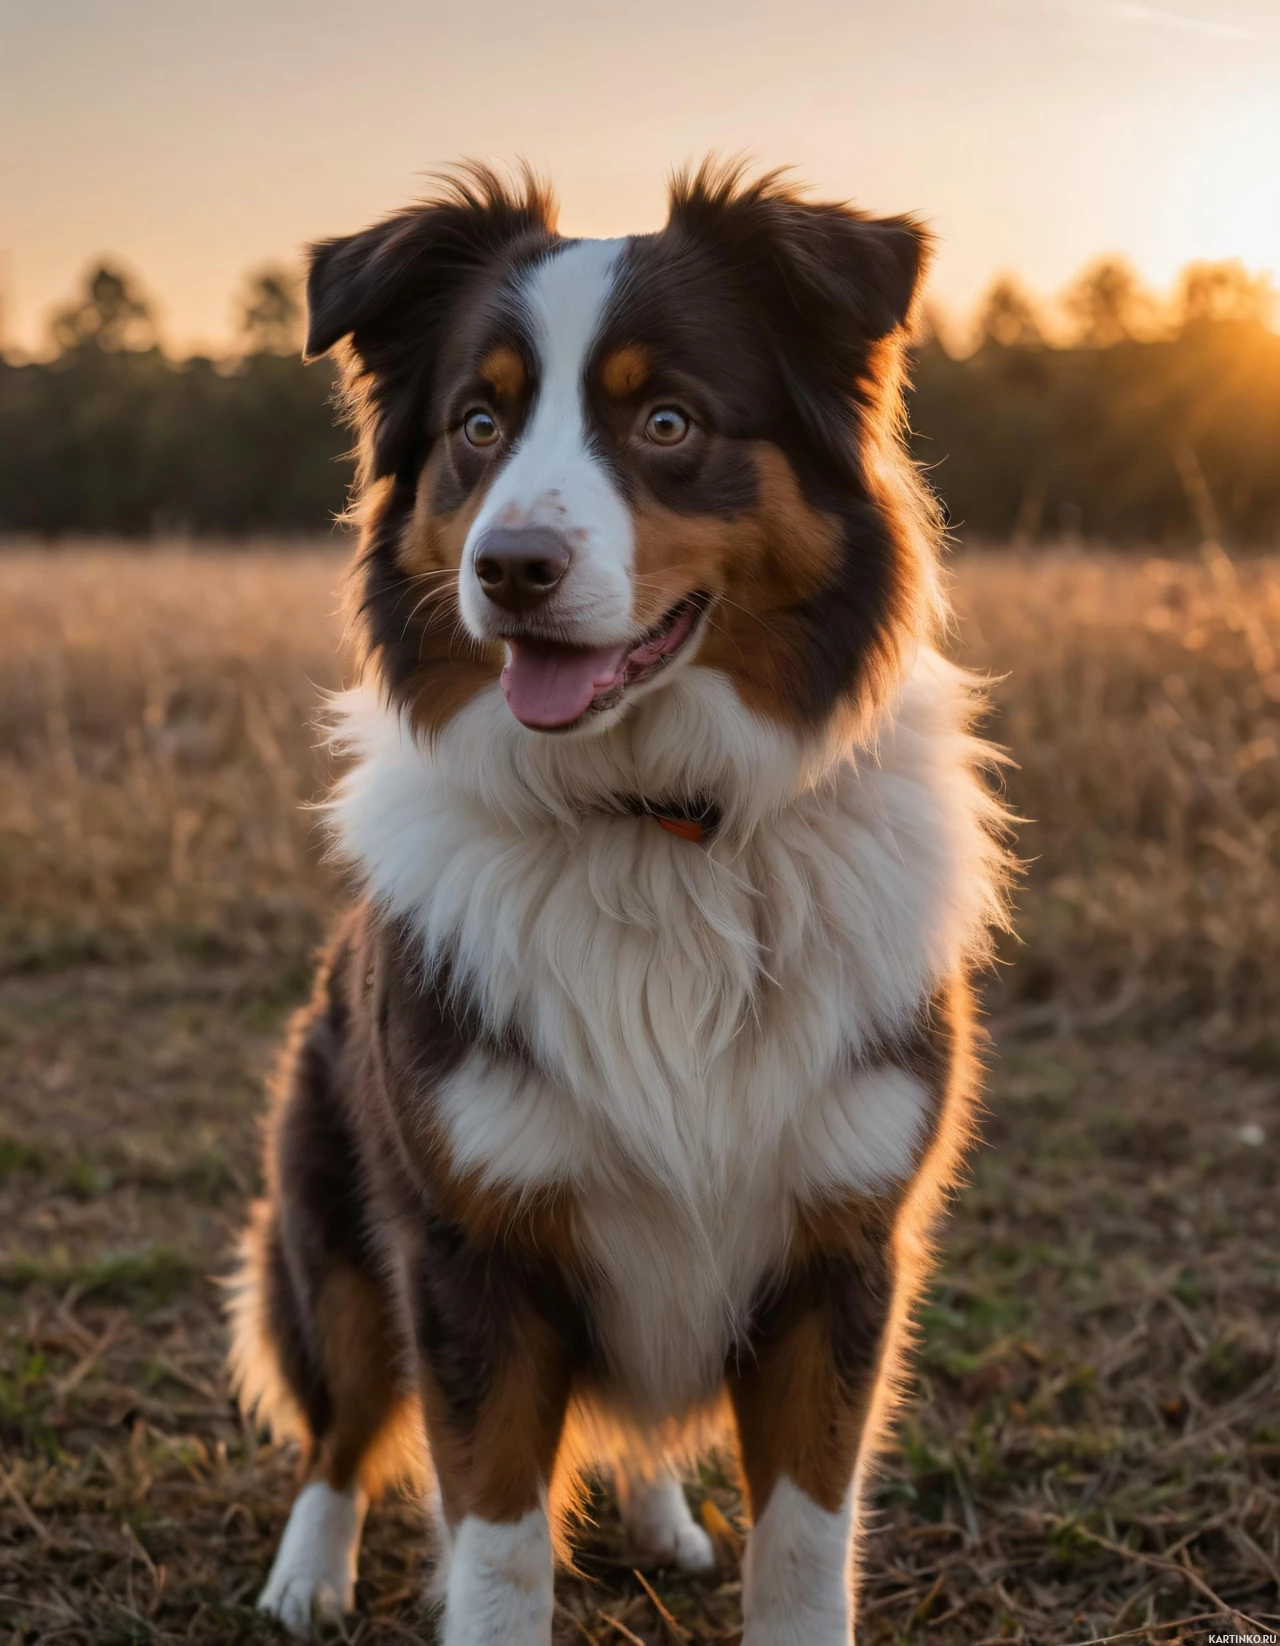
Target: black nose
point(518, 567)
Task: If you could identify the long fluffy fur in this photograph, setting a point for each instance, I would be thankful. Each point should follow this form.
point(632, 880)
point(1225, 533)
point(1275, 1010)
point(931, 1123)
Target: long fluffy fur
point(695, 1011)
point(745, 1069)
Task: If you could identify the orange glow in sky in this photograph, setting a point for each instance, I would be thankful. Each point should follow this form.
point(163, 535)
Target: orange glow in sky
point(194, 141)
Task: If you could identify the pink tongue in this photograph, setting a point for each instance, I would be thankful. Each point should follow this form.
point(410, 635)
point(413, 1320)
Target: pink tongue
point(547, 685)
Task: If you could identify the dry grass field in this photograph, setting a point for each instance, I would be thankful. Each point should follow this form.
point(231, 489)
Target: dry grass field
point(1092, 1449)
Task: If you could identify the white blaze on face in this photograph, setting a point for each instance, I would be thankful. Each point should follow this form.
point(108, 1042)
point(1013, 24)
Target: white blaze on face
point(553, 478)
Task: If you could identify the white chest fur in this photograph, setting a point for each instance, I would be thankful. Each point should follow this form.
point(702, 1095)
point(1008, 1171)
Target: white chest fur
point(697, 1015)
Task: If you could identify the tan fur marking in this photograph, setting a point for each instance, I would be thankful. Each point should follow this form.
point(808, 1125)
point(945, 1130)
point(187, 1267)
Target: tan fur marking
point(801, 543)
point(503, 370)
point(795, 1420)
point(760, 563)
point(433, 539)
point(626, 371)
point(797, 1416)
point(764, 559)
point(375, 1436)
point(543, 1220)
point(453, 666)
point(496, 1458)
point(498, 1465)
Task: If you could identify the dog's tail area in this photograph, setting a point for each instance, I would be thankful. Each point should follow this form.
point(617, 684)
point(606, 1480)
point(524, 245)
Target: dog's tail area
point(263, 1315)
point(322, 1382)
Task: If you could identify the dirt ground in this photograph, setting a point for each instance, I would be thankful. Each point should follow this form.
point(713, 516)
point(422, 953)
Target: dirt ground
point(1091, 1449)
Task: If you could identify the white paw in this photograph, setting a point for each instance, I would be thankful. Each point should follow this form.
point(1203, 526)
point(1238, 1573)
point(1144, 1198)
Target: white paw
point(694, 1550)
point(796, 1588)
point(313, 1578)
point(660, 1525)
point(303, 1607)
point(499, 1589)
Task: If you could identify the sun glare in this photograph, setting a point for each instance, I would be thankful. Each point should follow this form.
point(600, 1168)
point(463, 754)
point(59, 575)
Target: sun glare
point(1221, 189)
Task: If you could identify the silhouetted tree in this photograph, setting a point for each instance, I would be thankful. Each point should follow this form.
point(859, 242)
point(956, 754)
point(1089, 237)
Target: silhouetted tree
point(112, 436)
point(1008, 316)
point(1107, 303)
point(1224, 291)
point(111, 315)
point(271, 313)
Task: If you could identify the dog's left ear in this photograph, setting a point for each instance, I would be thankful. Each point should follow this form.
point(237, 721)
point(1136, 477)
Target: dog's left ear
point(866, 268)
point(832, 263)
point(831, 284)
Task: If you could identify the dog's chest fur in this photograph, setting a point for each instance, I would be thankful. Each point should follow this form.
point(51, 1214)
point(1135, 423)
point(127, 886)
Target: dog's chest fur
point(710, 1029)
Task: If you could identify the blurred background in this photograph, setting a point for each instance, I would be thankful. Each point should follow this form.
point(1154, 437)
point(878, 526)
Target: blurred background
point(1091, 1446)
point(1096, 355)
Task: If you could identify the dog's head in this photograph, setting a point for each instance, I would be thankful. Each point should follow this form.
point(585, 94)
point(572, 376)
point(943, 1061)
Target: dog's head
point(586, 465)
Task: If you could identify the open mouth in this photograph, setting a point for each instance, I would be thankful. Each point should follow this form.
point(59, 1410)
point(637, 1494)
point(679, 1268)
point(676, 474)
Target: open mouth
point(550, 686)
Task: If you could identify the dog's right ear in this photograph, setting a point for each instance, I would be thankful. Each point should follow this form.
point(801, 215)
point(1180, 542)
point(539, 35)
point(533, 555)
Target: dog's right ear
point(390, 289)
point(353, 280)
point(356, 283)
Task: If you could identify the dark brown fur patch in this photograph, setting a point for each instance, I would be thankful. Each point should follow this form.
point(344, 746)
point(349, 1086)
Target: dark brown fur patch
point(496, 1319)
point(777, 323)
point(497, 1316)
point(759, 565)
point(320, 1334)
point(421, 1031)
point(500, 1339)
point(412, 305)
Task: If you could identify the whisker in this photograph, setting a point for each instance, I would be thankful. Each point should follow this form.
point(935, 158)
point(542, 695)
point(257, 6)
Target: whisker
point(431, 628)
point(747, 612)
point(431, 595)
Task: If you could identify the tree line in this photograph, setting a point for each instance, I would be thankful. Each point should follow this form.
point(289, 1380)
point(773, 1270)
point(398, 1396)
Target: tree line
point(1109, 414)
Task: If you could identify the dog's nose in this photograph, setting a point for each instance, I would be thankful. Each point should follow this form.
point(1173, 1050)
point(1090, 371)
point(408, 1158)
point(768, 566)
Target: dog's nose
point(518, 567)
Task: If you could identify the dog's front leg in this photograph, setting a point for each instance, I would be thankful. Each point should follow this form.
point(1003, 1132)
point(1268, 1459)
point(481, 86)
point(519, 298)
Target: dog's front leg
point(497, 1335)
point(802, 1391)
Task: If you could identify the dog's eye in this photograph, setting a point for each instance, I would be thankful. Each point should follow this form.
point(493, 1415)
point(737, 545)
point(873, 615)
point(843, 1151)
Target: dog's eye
point(666, 426)
point(480, 428)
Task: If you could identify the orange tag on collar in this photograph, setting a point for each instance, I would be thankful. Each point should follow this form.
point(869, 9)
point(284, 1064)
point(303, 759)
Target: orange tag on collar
point(686, 828)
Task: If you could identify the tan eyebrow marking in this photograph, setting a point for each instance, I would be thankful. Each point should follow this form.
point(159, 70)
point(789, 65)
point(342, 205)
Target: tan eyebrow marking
point(503, 370)
point(625, 370)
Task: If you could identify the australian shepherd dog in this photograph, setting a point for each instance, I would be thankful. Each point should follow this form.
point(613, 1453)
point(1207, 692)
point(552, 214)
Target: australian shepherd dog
point(630, 1088)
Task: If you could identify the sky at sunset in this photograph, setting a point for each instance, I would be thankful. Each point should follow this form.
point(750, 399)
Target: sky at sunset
point(193, 139)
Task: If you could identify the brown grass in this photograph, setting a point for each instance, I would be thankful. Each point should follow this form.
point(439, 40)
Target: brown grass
point(1094, 1444)
point(1143, 706)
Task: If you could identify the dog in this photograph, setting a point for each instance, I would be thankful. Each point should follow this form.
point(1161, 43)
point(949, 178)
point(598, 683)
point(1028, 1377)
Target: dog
point(632, 1085)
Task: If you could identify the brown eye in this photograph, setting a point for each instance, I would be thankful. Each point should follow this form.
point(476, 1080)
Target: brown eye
point(666, 426)
point(480, 428)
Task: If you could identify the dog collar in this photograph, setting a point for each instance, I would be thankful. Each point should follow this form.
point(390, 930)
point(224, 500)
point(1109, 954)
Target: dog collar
point(695, 820)
point(688, 828)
